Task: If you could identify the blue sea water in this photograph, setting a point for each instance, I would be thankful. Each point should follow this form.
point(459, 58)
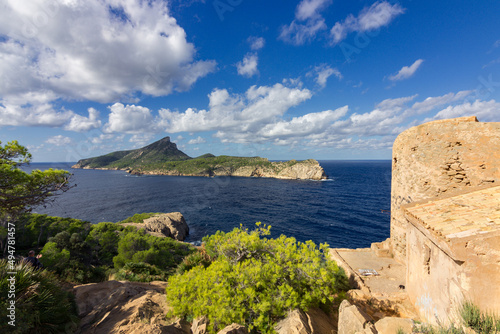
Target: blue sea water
point(343, 211)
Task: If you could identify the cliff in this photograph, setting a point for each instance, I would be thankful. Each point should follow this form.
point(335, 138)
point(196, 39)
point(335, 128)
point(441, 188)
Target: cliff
point(163, 158)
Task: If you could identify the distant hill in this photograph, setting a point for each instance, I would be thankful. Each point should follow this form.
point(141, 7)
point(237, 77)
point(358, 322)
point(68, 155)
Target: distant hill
point(160, 151)
point(163, 158)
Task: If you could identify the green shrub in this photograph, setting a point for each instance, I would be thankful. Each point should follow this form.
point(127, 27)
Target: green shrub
point(138, 218)
point(42, 306)
point(53, 257)
point(164, 253)
point(199, 258)
point(140, 272)
point(479, 321)
point(254, 280)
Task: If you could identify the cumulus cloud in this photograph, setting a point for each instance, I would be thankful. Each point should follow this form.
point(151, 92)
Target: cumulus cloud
point(307, 9)
point(59, 140)
point(300, 33)
point(307, 24)
point(90, 50)
point(248, 66)
point(486, 111)
point(235, 113)
point(407, 71)
point(82, 124)
point(380, 14)
point(323, 72)
point(198, 140)
point(256, 43)
point(129, 119)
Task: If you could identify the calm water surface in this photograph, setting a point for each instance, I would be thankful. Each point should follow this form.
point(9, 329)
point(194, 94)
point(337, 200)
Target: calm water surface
point(344, 211)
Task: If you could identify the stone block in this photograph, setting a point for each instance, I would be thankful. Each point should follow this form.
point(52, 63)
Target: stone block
point(391, 325)
point(351, 319)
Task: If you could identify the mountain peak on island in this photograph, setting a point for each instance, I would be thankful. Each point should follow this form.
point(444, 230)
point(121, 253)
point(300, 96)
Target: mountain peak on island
point(158, 152)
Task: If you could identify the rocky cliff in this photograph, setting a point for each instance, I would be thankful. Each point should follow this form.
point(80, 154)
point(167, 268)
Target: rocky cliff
point(296, 170)
point(163, 158)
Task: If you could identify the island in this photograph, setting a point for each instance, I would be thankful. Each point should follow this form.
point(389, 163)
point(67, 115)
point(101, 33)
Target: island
point(164, 158)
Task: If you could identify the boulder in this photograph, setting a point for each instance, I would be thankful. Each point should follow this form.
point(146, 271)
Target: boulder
point(352, 320)
point(171, 225)
point(125, 308)
point(234, 329)
point(391, 325)
point(199, 325)
point(299, 322)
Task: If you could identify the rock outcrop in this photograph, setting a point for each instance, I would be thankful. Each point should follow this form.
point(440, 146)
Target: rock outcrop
point(169, 225)
point(234, 329)
point(353, 320)
point(290, 170)
point(124, 308)
point(314, 321)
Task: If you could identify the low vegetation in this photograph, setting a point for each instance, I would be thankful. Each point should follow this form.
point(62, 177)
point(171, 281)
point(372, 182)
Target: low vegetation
point(81, 252)
point(245, 277)
point(472, 319)
point(41, 304)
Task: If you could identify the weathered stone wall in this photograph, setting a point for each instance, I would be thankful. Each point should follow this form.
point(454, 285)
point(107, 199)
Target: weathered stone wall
point(440, 157)
point(440, 275)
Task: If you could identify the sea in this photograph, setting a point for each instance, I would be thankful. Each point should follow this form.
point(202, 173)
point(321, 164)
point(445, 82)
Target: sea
point(348, 210)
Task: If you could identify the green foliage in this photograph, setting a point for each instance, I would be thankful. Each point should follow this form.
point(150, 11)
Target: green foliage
point(19, 191)
point(103, 241)
point(479, 321)
point(34, 230)
point(54, 257)
point(198, 258)
point(254, 280)
point(138, 218)
point(42, 306)
point(140, 272)
point(164, 253)
point(472, 318)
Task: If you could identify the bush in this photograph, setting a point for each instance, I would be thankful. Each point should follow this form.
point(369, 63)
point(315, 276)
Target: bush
point(140, 272)
point(42, 306)
point(479, 321)
point(164, 253)
point(254, 281)
point(53, 257)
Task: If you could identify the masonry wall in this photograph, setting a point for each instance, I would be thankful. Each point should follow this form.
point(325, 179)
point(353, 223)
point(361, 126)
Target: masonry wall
point(439, 279)
point(440, 157)
point(434, 281)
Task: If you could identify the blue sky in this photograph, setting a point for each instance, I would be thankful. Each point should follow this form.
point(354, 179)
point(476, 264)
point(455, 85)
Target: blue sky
point(323, 79)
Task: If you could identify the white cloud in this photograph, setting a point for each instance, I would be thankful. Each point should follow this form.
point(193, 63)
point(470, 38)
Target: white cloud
point(299, 34)
point(323, 72)
point(307, 9)
point(248, 66)
point(129, 119)
point(41, 114)
point(141, 139)
point(256, 43)
point(308, 124)
point(59, 140)
point(82, 124)
point(83, 50)
point(380, 14)
point(486, 111)
point(102, 137)
point(432, 103)
point(233, 114)
point(407, 71)
point(198, 140)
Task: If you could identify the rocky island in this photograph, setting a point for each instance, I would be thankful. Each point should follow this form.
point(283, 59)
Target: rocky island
point(164, 158)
